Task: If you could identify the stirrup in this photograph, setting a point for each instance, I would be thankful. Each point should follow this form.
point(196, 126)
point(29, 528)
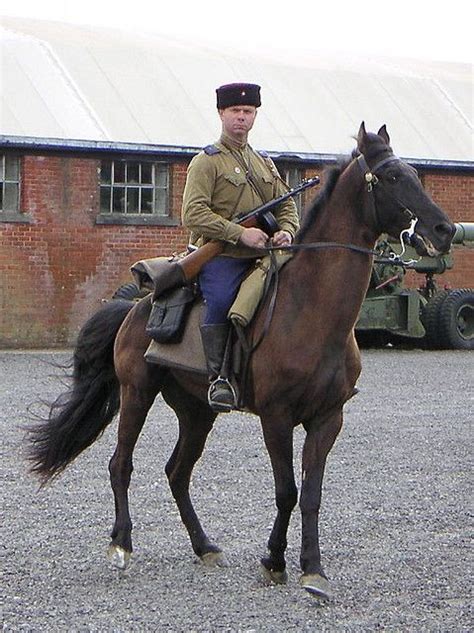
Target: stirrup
point(222, 407)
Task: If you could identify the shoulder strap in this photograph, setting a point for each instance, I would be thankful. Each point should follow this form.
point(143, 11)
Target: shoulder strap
point(273, 168)
point(212, 149)
point(253, 182)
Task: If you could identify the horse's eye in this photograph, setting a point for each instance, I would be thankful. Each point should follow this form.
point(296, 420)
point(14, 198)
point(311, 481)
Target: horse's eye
point(392, 179)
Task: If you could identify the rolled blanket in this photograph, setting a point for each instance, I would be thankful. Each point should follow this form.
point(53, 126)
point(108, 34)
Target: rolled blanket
point(252, 288)
point(158, 274)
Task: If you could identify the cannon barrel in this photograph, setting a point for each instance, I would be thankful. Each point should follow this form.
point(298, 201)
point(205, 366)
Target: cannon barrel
point(464, 232)
point(438, 265)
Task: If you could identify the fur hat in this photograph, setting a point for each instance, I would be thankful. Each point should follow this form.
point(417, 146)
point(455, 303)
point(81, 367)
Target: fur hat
point(238, 94)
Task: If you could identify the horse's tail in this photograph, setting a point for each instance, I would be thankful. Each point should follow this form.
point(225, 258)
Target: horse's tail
point(80, 415)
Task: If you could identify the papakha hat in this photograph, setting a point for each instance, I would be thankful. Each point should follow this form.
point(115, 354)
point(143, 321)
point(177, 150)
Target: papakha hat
point(238, 94)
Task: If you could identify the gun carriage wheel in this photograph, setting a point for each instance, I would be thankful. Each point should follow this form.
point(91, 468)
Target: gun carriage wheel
point(449, 319)
point(456, 319)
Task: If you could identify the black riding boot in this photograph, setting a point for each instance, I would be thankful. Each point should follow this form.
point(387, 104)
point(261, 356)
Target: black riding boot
point(221, 395)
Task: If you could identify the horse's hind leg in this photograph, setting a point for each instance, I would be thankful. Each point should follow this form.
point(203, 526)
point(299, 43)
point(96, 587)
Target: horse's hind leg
point(135, 404)
point(195, 422)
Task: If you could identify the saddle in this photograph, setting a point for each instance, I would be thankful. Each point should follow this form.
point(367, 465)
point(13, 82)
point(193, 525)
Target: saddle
point(183, 349)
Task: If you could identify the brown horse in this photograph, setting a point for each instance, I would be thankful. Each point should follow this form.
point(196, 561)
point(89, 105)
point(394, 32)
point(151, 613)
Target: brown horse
point(303, 372)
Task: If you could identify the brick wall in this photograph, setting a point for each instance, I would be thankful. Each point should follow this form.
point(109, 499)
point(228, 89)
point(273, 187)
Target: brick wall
point(454, 193)
point(58, 267)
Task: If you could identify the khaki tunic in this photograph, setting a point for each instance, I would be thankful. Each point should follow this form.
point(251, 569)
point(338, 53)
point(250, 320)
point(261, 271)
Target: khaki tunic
point(217, 190)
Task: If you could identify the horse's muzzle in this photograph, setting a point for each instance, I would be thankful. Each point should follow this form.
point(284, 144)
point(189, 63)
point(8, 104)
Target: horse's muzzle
point(438, 243)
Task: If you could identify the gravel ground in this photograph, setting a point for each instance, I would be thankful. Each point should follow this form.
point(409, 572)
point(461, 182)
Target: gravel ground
point(394, 522)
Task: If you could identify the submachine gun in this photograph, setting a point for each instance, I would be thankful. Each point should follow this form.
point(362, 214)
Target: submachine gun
point(178, 271)
point(261, 217)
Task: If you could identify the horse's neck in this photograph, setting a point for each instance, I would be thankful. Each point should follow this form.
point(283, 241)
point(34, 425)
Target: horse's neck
point(336, 277)
point(346, 216)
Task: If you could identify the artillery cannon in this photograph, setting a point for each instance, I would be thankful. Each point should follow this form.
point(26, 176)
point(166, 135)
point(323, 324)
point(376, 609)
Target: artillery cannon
point(436, 318)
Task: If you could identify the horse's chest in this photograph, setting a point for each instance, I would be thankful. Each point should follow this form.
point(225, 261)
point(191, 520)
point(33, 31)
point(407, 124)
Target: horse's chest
point(308, 384)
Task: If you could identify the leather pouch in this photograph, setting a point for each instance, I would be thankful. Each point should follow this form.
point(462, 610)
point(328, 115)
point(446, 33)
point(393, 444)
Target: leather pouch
point(168, 315)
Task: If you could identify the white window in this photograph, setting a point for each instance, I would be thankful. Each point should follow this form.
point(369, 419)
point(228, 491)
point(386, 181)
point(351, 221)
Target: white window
point(134, 188)
point(293, 177)
point(9, 184)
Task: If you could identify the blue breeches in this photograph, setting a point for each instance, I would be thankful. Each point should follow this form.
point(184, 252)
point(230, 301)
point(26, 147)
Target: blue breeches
point(220, 280)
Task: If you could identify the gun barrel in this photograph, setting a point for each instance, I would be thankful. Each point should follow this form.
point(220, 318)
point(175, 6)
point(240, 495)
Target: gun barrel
point(442, 263)
point(192, 263)
point(464, 232)
point(271, 204)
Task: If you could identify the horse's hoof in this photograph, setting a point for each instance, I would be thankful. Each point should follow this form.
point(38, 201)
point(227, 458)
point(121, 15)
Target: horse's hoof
point(276, 577)
point(317, 585)
point(214, 559)
point(119, 557)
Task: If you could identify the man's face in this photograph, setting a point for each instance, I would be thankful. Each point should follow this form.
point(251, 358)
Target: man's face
point(237, 121)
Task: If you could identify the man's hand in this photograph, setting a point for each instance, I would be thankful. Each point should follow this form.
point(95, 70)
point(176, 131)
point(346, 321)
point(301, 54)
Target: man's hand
point(282, 238)
point(254, 237)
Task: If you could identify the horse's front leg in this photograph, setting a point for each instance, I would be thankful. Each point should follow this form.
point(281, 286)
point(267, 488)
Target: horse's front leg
point(319, 440)
point(279, 442)
point(135, 404)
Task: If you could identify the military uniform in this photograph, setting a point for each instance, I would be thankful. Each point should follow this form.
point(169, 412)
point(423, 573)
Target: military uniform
point(224, 180)
point(218, 189)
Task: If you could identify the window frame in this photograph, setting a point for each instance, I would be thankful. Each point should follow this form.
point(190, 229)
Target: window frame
point(140, 217)
point(12, 215)
point(293, 174)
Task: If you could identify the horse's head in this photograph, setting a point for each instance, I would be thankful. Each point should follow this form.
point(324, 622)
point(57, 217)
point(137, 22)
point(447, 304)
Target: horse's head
point(400, 202)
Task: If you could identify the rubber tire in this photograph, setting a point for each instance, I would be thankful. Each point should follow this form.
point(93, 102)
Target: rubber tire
point(129, 292)
point(372, 339)
point(430, 319)
point(456, 319)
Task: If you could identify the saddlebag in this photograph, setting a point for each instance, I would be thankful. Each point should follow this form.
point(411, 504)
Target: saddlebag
point(168, 314)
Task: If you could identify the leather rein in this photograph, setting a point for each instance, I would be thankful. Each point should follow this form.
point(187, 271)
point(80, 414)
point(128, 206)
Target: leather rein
point(372, 180)
point(370, 177)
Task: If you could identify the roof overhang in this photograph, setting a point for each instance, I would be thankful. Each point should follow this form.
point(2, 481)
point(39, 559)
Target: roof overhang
point(35, 145)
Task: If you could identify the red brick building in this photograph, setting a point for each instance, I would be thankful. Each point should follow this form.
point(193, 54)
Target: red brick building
point(75, 214)
point(61, 254)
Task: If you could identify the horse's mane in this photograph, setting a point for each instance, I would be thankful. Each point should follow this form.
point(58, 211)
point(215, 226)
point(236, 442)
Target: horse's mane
point(330, 178)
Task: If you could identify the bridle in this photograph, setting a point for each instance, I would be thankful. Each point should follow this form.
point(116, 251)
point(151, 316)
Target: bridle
point(272, 280)
point(372, 180)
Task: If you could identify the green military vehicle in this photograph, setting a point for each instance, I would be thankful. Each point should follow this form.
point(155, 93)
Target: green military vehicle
point(431, 316)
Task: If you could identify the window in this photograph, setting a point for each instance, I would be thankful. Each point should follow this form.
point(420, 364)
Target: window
point(293, 176)
point(9, 184)
point(134, 188)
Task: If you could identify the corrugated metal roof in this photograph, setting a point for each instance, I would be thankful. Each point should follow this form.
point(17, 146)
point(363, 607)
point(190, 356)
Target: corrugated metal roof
point(69, 82)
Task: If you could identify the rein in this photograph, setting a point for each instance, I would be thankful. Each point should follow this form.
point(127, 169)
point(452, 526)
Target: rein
point(273, 276)
point(316, 246)
point(272, 280)
point(370, 177)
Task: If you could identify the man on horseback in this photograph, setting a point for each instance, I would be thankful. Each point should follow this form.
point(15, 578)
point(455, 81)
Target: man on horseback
point(225, 179)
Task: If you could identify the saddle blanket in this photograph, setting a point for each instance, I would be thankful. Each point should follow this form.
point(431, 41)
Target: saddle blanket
point(189, 353)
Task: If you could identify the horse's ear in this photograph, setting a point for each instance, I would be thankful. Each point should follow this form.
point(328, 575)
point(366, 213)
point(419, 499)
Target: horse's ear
point(384, 134)
point(361, 135)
